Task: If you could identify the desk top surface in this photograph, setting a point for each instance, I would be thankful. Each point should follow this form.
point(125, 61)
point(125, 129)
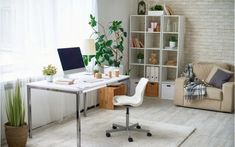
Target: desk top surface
point(82, 83)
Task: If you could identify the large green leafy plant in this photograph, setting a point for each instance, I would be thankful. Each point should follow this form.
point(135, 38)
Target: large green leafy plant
point(109, 46)
point(15, 107)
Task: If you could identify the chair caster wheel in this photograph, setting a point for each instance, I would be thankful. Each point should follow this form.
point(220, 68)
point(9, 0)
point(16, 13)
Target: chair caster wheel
point(149, 134)
point(108, 134)
point(138, 127)
point(130, 139)
point(114, 127)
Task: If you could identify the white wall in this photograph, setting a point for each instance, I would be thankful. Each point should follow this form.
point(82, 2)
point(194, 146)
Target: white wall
point(209, 26)
point(209, 29)
point(109, 10)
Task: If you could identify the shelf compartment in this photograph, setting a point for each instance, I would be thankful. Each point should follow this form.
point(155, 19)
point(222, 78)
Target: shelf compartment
point(152, 40)
point(137, 23)
point(133, 56)
point(152, 57)
point(169, 58)
point(171, 24)
point(152, 22)
point(137, 71)
point(168, 74)
point(137, 40)
point(166, 41)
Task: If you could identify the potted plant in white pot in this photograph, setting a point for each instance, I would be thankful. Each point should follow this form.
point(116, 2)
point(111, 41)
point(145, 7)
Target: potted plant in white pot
point(16, 129)
point(172, 41)
point(49, 71)
point(140, 57)
point(156, 10)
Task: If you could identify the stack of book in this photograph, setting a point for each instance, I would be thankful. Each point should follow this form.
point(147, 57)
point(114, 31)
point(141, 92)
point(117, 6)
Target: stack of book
point(65, 81)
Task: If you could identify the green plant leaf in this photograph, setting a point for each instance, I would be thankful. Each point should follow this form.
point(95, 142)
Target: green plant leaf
point(107, 57)
point(125, 34)
point(109, 42)
point(92, 22)
point(15, 107)
point(110, 62)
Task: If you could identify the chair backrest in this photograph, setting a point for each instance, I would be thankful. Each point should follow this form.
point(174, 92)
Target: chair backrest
point(139, 91)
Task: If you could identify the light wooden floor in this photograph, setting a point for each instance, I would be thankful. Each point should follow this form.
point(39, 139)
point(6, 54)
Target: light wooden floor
point(214, 129)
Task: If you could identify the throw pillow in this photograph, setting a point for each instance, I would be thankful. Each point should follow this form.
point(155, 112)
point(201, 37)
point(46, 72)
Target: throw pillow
point(213, 71)
point(219, 78)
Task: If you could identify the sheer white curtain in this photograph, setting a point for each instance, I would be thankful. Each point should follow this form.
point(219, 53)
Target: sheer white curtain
point(30, 33)
point(31, 30)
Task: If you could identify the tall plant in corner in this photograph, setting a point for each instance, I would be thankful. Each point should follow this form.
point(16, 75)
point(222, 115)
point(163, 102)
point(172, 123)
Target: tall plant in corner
point(109, 46)
point(16, 128)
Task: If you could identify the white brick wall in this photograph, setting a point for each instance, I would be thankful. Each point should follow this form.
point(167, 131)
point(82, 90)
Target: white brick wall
point(209, 29)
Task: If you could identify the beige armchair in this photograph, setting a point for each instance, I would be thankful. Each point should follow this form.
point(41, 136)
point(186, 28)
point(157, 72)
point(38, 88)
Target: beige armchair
point(215, 99)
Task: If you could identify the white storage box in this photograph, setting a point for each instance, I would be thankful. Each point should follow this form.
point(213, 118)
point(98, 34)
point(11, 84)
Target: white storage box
point(168, 91)
point(156, 13)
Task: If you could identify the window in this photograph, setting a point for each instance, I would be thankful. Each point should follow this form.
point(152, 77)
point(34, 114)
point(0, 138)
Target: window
point(32, 30)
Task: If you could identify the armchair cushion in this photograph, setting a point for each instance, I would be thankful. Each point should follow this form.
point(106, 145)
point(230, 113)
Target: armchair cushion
point(213, 71)
point(213, 93)
point(220, 77)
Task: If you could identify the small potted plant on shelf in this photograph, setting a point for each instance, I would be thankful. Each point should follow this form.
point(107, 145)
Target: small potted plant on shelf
point(172, 41)
point(140, 57)
point(16, 129)
point(49, 71)
point(156, 10)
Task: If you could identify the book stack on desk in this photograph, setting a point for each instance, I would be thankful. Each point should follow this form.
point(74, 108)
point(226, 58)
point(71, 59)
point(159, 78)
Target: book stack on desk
point(65, 81)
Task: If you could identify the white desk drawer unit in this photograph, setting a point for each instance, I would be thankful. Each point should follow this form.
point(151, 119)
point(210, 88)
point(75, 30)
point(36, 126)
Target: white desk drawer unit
point(168, 91)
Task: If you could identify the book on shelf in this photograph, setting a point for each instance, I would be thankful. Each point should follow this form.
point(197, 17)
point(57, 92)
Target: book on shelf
point(168, 10)
point(65, 81)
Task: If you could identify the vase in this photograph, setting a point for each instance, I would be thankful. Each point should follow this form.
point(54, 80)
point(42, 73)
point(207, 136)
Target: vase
point(172, 44)
point(139, 61)
point(156, 13)
point(16, 136)
point(49, 78)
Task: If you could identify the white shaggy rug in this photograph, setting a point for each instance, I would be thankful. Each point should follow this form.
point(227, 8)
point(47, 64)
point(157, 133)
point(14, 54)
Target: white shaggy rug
point(93, 134)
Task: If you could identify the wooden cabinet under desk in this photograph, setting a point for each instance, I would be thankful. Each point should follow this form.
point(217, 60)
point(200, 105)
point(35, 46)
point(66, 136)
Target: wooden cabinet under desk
point(106, 95)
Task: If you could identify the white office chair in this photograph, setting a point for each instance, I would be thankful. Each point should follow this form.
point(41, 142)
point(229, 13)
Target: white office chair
point(135, 101)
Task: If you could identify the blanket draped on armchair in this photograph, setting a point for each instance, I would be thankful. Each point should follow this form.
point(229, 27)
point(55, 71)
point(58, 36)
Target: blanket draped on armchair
point(193, 87)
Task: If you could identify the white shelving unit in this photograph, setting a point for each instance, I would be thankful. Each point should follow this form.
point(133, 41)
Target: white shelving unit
point(157, 42)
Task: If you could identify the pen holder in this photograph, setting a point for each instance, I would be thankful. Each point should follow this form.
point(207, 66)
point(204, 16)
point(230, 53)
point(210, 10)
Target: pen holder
point(116, 72)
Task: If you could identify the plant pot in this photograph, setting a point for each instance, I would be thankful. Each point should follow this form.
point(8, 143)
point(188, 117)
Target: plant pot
point(49, 78)
point(16, 136)
point(156, 13)
point(172, 44)
point(140, 61)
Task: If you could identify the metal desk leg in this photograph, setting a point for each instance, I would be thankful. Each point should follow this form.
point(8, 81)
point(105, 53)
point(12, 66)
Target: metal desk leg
point(29, 111)
point(85, 102)
point(78, 120)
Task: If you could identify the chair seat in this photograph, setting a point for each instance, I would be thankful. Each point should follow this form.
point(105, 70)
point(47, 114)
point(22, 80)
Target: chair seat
point(124, 100)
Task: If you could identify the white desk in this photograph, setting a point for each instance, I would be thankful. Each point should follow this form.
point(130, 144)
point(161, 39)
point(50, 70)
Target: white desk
point(80, 89)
